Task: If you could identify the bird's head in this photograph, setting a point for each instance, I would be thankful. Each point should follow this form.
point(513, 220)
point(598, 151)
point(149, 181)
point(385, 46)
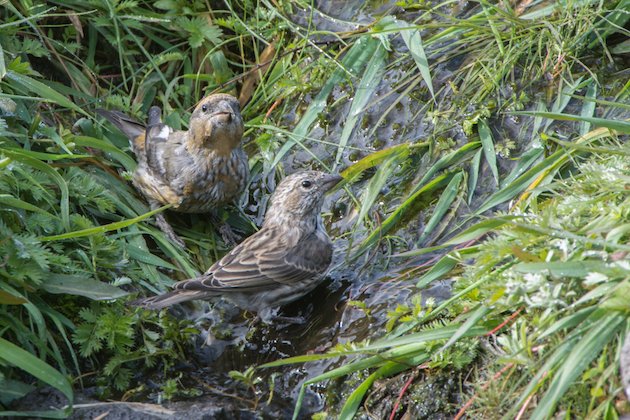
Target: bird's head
point(216, 123)
point(299, 198)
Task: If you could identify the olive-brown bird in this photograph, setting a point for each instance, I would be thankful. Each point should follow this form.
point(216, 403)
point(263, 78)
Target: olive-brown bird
point(196, 170)
point(281, 262)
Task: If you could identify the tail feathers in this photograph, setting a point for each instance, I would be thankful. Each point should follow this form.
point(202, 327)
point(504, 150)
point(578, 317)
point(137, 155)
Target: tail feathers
point(170, 298)
point(130, 127)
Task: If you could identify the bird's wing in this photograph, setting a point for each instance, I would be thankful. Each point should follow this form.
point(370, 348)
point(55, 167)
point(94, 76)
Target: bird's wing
point(164, 154)
point(262, 261)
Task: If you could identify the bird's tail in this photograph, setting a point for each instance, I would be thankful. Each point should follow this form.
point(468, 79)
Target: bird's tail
point(169, 298)
point(130, 127)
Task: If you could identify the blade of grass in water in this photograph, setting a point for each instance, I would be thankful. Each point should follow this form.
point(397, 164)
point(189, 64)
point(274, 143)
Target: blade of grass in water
point(367, 86)
point(443, 205)
point(355, 59)
point(487, 145)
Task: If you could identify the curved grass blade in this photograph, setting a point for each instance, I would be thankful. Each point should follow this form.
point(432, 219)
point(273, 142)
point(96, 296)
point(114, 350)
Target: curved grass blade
point(620, 126)
point(9, 200)
point(473, 175)
point(50, 171)
point(375, 185)
point(355, 59)
point(584, 352)
point(405, 209)
point(367, 86)
point(351, 406)
point(451, 159)
point(443, 205)
point(44, 91)
point(123, 158)
point(22, 359)
point(487, 145)
point(351, 173)
point(104, 228)
point(588, 107)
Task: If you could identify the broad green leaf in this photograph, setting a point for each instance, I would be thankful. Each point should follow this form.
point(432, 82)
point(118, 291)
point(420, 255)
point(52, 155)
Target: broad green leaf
point(81, 286)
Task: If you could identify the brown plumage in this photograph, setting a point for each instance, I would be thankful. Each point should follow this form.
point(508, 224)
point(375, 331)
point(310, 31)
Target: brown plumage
point(281, 262)
point(196, 170)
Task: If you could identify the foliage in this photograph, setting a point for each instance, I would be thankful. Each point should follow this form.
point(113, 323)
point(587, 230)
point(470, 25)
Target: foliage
point(76, 238)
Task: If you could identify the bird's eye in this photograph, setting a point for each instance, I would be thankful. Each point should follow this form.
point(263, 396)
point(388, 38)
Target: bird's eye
point(204, 107)
point(306, 184)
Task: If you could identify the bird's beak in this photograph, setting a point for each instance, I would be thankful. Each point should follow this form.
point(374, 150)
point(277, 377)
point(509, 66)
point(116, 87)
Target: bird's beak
point(224, 112)
point(330, 181)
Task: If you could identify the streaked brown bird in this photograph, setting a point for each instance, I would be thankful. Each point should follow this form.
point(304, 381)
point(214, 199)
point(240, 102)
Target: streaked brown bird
point(284, 260)
point(196, 170)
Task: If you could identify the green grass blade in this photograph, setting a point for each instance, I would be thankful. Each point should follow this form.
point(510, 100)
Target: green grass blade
point(104, 228)
point(44, 91)
point(377, 182)
point(487, 145)
point(473, 175)
point(41, 370)
point(586, 349)
point(443, 205)
point(404, 210)
point(356, 58)
point(9, 200)
point(620, 126)
point(588, 108)
point(367, 86)
point(50, 171)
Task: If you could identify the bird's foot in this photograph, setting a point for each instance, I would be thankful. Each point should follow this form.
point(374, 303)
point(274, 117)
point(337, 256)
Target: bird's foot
point(230, 238)
point(169, 232)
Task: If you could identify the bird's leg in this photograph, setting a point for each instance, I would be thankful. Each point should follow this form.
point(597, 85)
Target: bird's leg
point(166, 227)
point(229, 237)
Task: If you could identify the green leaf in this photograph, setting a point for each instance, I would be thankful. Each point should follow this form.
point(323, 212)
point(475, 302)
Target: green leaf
point(443, 205)
point(104, 228)
point(487, 145)
point(354, 60)
point(22, 359)
point(367, 86)
point(81, 286)
point(620, 126)
point(601, 333)
point(9, 200)
point(44, 91)
point(562, 268)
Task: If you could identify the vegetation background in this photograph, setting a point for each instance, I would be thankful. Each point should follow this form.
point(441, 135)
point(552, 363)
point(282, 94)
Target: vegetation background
point(482, 142)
